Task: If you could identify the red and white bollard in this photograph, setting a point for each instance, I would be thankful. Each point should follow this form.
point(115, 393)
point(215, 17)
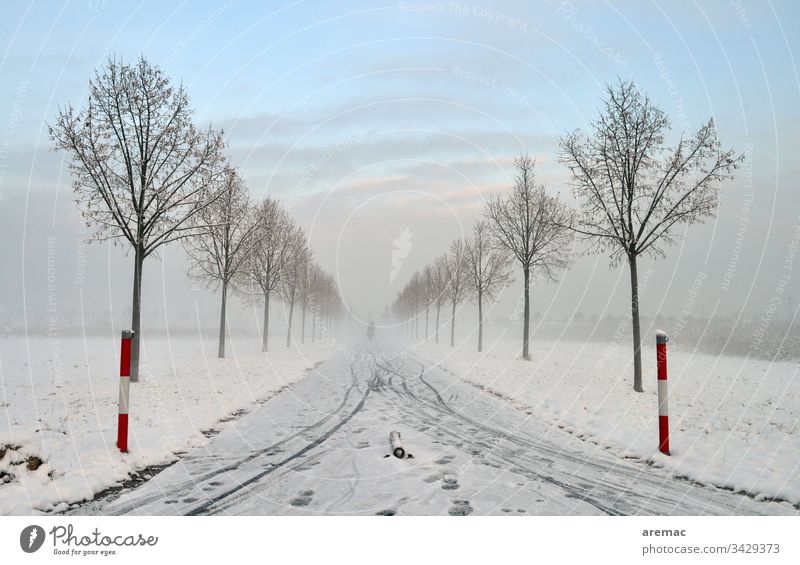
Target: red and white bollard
point(124, 389)
point(663, 406)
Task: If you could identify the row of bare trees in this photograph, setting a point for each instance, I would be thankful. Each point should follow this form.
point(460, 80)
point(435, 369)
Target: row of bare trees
point(259, 250)
point(444, 282)
point(528, 227)
point(633, 191)
point(145, 174)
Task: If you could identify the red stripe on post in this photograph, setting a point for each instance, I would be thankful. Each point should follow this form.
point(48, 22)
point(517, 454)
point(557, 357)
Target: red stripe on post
point(125, 357)
point(122, 433)
point(663, 406)
point(663, 434)
point(124, 385)
point(661, 356)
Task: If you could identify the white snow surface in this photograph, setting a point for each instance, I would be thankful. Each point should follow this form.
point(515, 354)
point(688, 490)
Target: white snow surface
point(58, 402)
point(322, 447)
point(490, 433)
point(734, 421)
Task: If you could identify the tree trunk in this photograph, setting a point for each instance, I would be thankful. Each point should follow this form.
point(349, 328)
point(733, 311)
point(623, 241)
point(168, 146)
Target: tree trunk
point(313, 325)
point(453, 326)
point(438, 309)
point(427, 312)
point(136, 312)
point(289, 329)
point(480, 321)
point(637, 341)
point(527, 316)
point(265, 336)
point(222, 321)
point(303, 326)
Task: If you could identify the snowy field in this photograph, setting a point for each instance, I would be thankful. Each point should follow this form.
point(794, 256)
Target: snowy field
point(321, 447)
point(58, 404)
point(734, 421)
point(734, 425)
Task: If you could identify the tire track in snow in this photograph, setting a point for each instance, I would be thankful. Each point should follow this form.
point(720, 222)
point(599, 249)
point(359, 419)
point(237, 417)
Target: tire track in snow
point(227, 496)
point(236, 465)
point(498, 453)
point(669, 492)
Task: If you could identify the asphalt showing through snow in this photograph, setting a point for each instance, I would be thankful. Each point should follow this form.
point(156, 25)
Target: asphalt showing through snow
point(321, 447)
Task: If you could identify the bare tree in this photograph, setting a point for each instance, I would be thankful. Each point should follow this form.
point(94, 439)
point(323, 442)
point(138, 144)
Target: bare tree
point(403, 307)
point(458, 283)
point(325, 301)
point(329, 303)
point(429, 289)
point(264, 265)
point(294, 273)
point(141, 168)
point(534, 228)
point(224, 240)
point(312, 297)
point(417, 286)
point(487, 268)
point(307, 289)
point(440, 287)
point(633, 190)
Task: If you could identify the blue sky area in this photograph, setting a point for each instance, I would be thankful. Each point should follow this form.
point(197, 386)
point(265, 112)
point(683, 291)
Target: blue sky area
point(367, 117)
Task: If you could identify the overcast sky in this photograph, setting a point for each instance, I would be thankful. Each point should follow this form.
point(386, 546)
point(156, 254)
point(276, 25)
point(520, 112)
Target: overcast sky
point(367, 118)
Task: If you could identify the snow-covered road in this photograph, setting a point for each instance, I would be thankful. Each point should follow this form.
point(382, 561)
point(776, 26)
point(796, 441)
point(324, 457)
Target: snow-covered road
point(320, 447)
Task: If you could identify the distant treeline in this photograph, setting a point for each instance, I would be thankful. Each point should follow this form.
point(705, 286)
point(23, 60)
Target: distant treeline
point(777, 341)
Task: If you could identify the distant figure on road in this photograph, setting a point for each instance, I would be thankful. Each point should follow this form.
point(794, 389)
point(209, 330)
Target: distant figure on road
point(371, 330)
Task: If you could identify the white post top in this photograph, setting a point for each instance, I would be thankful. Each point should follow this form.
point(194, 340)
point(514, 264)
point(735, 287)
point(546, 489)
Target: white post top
point(661, 336)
